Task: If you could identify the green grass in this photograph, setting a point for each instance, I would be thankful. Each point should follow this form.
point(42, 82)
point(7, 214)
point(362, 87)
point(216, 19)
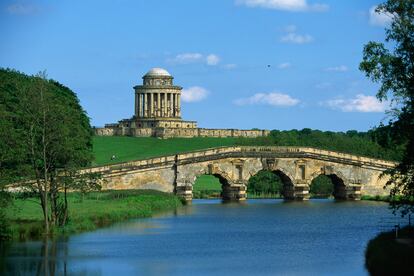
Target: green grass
point(207, 186)
point(94, 210)
point(207, 183)
point(376, 198)
point(134, 148)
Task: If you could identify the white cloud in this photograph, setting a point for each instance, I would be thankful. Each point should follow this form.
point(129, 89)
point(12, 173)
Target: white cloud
point(22, 9)
point(187, 58)
point(284, 65)
point(293, 37)
point(341, 68)
point(360, 103)
point(273, 99)
point(379, 19)
point(285, 5)
point(212, 59)
point(194, 94)
point(296, 38)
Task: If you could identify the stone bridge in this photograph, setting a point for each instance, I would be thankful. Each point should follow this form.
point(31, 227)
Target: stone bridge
point(352, 175)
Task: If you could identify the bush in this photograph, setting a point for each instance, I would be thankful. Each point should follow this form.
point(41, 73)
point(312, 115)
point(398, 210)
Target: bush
point(321, 186)
point(386, 256)
point(265, 183)
point(5, 232)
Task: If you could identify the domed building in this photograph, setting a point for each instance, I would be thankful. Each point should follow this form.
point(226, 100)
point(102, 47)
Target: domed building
point(158, 102)
point(158, 113)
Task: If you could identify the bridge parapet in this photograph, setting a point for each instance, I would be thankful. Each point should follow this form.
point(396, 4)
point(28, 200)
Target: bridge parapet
point(248, 151)
point(298, 165)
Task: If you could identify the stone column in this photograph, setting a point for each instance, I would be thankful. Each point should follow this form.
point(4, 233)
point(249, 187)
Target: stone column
point(137, 105)
point(158, 104)
point(175, 105)
point(165, 105)
point(171, 105)
point(179, 105)
point(152, 105)
point(141, 107)
point(146, 96)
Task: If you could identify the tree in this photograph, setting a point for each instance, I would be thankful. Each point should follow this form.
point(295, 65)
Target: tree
point(53, 139)
point(321, 186)
point(393, 69)
point(265, 182)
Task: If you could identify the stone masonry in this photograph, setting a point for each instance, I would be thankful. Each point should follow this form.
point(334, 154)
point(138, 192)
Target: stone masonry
point(352, 176)
point(158, 113)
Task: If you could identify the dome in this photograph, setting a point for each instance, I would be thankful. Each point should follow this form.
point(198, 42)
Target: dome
point(157, 72)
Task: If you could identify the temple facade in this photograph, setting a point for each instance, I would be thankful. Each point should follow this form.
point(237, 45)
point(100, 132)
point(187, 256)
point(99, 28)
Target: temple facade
point(158, 113)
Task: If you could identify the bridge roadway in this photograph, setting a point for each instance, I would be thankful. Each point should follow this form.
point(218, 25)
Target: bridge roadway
point(352, 175)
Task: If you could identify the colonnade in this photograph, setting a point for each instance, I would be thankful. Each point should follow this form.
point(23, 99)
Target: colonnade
point(150, 105)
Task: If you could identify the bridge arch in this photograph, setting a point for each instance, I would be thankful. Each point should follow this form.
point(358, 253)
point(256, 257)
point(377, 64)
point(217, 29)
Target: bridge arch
point(225, 180)
point(288, 187)
point(339, 183)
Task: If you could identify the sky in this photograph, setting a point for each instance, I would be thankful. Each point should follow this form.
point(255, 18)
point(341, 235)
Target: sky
point(268, 64)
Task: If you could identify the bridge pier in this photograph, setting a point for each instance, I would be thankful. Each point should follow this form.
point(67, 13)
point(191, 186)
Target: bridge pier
point(353, 192)
point(234, 192)
point(185, 192)
point(301, 192)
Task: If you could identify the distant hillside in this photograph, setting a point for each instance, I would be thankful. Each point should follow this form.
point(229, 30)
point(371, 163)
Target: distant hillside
point(133, 148)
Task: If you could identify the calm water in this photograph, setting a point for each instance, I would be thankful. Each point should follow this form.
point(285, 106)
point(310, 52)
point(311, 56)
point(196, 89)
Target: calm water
point(319, 237)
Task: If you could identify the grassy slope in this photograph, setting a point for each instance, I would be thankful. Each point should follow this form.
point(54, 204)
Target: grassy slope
point(95, 210)
point(207, 183)
point(133, 148)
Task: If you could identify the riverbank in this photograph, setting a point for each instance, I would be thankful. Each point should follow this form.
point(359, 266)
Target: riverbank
point(88, 212)
point(388, 255)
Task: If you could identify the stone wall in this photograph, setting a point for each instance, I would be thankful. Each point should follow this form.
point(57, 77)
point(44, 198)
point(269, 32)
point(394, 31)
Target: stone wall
point(186, 132)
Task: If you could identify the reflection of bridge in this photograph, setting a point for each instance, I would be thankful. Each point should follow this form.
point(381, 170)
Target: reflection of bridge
point(352, 175)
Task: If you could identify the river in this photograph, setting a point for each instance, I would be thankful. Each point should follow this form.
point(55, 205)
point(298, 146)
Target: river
point(258, 237)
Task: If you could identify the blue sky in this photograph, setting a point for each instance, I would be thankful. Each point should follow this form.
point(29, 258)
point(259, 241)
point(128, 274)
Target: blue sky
point(271, 64)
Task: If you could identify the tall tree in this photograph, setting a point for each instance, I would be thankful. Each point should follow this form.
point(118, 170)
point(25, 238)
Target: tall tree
point(393, 68)
point(53, 137)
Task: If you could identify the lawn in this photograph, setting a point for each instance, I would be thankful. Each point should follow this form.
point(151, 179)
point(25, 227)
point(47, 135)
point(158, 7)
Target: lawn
point(207, 183)
point(134, 148)
point(89, 212)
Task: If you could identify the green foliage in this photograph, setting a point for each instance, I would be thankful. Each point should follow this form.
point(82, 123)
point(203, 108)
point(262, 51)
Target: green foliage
point(5, 200)
point(375, 198)
point(24, 101)
point(46, 138)
point(97, 209)
point(265, 183)
point(393, 69)
point(321, 186)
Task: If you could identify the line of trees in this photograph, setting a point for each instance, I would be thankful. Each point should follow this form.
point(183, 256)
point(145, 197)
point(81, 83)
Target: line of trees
point(45, 138)
point(376, 143)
